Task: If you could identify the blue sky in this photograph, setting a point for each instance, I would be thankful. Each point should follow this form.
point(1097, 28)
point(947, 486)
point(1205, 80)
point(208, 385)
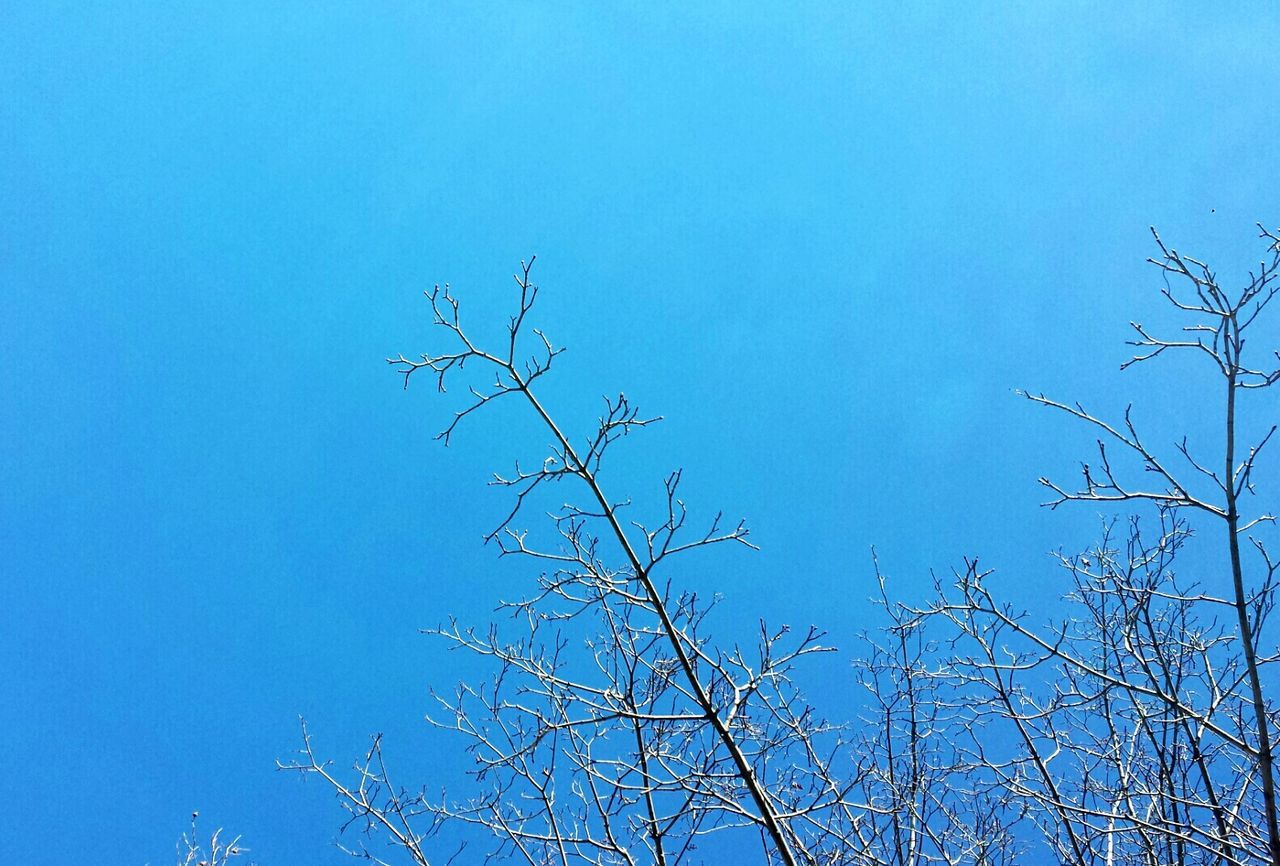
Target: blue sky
point(825, 241)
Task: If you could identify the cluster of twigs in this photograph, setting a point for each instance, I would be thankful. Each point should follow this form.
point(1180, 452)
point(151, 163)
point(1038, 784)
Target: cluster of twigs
point(192, 851)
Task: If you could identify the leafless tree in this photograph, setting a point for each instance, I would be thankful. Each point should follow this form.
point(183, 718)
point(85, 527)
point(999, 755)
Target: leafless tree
point(923, 799)
point(192, 851)
point(618, 728)
point(1140, 725)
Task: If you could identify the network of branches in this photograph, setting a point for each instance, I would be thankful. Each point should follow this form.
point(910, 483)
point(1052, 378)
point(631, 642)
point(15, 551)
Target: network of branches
point(619, 726)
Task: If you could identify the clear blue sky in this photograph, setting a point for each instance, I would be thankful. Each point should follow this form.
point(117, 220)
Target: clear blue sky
point(825, 241)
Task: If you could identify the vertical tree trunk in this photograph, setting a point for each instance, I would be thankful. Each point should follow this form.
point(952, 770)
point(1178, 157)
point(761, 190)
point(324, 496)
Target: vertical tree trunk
point(1232, 345)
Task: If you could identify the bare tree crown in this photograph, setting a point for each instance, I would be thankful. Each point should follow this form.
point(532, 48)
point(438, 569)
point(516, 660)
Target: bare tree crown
point(618, 728)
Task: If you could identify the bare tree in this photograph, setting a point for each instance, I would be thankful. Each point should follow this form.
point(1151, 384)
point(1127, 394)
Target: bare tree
point(618, 728)
point(923, 799)
point(193, 852)
point(657, 736)
point(1141, 725)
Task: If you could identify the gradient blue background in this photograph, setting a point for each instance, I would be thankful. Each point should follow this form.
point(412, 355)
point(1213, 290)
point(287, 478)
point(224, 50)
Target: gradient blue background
point(826, 242)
